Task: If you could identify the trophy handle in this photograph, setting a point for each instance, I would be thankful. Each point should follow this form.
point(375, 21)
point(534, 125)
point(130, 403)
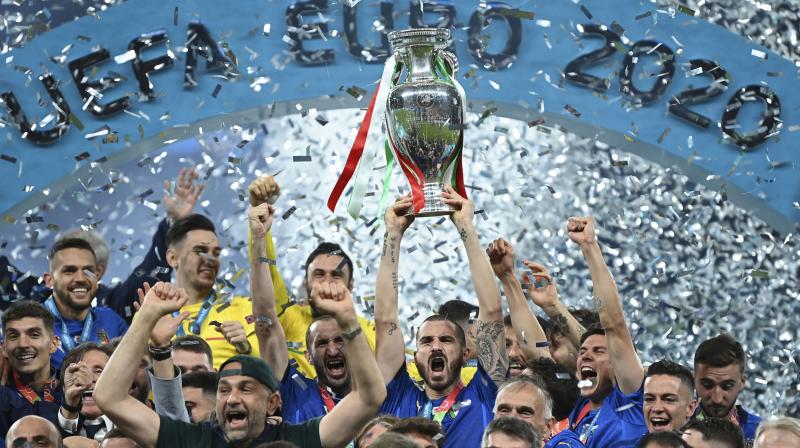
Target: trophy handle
point(451, 61)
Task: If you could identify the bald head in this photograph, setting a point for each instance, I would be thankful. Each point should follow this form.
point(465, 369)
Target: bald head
point(33, 430)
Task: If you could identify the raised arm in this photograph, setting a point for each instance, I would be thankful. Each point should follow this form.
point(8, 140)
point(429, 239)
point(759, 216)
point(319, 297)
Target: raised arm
point(271, 338)
point(342, 424)
point(490, 334)
point(111, 391)
point(628, 368)
point(531, 336)
point(389, 343)
point(179, 200)
point(546, 298)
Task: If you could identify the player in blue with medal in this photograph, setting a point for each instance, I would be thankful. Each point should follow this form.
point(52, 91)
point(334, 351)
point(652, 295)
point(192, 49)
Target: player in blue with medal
point(462, 410)
point(609, 412)
point(73, 279)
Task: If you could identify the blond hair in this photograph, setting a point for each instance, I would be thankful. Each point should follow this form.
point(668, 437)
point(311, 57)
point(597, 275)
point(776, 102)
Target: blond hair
point(780, 423)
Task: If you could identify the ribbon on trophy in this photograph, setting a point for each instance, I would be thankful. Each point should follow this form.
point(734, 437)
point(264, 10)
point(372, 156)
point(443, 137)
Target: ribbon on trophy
point(358, 158)
point(361, 157)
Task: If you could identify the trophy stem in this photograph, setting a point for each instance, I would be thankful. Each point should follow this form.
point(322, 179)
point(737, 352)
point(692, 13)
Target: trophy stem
point(434, 206)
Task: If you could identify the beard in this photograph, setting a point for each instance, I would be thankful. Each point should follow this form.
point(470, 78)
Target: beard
point(453, 374)
point(716, 410)
point(65, 298)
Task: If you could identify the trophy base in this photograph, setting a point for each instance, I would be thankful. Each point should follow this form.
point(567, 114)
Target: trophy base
point(434, 206)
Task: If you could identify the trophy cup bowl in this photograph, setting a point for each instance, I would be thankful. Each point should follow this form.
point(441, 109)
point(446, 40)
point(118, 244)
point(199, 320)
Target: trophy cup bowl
point(424, 110)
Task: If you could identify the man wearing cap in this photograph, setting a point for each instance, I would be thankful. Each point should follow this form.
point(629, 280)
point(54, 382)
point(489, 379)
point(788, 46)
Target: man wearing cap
point(246, 395)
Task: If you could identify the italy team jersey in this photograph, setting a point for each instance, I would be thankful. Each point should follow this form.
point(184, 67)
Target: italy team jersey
point(302, 397)
point(619, 422)
point(463, 424)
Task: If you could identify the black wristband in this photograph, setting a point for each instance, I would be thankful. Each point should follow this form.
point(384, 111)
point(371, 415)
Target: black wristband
point(160, 353)
point(350, 335)
point(72, 409)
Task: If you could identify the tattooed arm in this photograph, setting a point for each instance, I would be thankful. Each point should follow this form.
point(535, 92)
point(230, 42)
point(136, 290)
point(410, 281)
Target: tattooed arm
point(389, 344)
point(627, 367)
point(490, 335)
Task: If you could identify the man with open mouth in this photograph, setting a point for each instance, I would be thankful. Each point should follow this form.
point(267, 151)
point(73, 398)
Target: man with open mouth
point(247, 392)
point(305, 398)
point(328, 262)
point(610, 411)
point(668, 396)
point(441, 350)
point(79, 414)
point(73, 279)
point(31, 387)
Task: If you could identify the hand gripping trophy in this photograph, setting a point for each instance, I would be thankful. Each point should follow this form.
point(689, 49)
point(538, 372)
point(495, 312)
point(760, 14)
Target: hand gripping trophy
point(424, 109)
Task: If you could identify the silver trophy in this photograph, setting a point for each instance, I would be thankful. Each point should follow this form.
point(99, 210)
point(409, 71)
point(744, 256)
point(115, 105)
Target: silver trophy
point(424, 110)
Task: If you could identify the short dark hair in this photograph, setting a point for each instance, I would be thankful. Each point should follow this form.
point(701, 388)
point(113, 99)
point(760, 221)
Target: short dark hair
point(328, 248)
point(667, 439)
point(384, 420)
point(720, 351)
point(559, 327)
point(28, 308)
point(422, 426)
point(561, 383)
point(460, 335)
point(116, 433)
point(393, 440)
point(195, 344)
point(276, 444)
point(671, 368)
point(313, 321)
point(458, 310)
point(177, 232)
point(70, 243)
point(77, 353)
point(515, 428)
point(207, 381)
point(717, 430)
point(591, 331)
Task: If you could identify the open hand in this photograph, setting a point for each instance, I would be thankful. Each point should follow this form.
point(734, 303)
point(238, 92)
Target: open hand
point(501, 256)
point(464, 208)
point(541, 289)
point(264, 190)
point(396, 218)
point(259, 218)
point(581, 230)
point(180, 203)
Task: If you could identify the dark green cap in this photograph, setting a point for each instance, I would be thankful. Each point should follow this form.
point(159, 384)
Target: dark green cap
point(252, 367)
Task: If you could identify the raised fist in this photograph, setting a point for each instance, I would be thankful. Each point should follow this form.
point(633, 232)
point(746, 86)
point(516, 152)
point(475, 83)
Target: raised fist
point(260, 219)
point(264, 190)
point(163, 298)
point(334, 299)
point(501, 256)
point(581, 230)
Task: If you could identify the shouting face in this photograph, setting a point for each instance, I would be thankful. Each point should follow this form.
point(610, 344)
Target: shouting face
point(196, 260)
point(516, 359)
point(326, 352)
point(439, 354)
point(595, 375)
point(73, 278)
point(242, 406)
point(668, 403)
point(718, 388)
point(28, 345)
point(96, 360)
